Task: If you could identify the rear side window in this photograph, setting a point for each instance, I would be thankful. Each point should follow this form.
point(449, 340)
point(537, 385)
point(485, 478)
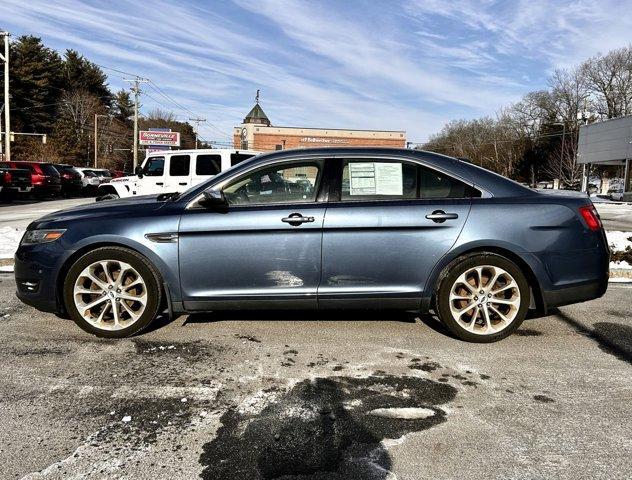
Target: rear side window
point(48, 169)
point(236, 158)
point(378, 180)
point(435, 184)
point(208, 164)
point(155, 167)
point(398, 180)
point(179, 165)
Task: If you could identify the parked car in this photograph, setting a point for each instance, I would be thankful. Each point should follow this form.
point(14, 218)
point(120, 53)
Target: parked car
point(173, 171)
point(383, 228)
point(89, 180)
point(616, 194)
point(13, 181)
point(45, 178)
point(71, 182)
point(102, 174)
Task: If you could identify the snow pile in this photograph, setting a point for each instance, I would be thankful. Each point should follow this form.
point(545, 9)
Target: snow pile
point(620, 242)
point(9, 239)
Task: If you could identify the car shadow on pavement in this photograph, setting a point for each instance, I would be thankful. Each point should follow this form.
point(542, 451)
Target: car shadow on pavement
point(324, 428)
point(612, 338)
point(285, 315)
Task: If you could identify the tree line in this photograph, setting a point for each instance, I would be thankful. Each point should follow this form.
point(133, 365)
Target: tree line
point(59, 95)
point(536, 138)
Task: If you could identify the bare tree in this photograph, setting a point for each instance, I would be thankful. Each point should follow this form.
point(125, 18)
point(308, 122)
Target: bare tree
point(609, 80)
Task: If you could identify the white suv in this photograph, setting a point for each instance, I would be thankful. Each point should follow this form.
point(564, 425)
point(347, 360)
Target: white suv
point(173, 171)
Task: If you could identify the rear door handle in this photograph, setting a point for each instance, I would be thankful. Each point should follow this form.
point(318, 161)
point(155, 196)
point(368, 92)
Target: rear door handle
point(295, 219)
point(159, 183)
point(439, 216)
point(182, 183)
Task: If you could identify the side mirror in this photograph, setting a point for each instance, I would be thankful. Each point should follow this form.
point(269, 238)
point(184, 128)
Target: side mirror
point(139, 171)
point(214, 199)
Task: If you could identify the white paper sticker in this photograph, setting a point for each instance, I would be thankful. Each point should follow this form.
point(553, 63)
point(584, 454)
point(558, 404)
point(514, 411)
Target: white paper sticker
point(375, 178)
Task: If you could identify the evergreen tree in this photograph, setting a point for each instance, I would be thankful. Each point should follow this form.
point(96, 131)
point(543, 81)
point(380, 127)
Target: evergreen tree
point(34, 73)
point(81, 74)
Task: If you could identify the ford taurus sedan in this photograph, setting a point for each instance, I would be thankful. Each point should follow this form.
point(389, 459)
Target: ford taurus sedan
point(330, 228)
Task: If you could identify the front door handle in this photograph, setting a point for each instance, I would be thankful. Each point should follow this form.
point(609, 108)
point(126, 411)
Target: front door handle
point(439, 216)
point(182, 183)
point(295, 219)
point(160, 183)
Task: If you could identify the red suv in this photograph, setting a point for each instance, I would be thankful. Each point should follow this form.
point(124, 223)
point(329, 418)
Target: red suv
point(44, 177)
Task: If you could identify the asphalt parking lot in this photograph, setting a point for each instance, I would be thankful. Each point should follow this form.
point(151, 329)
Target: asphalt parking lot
point(341, 396)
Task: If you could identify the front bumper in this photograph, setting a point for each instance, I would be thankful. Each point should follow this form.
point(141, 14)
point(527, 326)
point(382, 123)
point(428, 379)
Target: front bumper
point(36, 272)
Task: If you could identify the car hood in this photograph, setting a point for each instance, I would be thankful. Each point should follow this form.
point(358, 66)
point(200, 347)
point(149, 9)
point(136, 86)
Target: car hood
point(106, 208)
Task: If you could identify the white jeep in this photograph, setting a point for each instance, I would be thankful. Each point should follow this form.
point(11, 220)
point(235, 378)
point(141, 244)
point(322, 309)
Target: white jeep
point(173, 171)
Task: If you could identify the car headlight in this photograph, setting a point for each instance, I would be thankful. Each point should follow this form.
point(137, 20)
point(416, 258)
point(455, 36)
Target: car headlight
point(32, 237)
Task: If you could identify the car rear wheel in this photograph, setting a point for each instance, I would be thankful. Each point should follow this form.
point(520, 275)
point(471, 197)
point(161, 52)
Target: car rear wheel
point(112, 292)
point(482, 297)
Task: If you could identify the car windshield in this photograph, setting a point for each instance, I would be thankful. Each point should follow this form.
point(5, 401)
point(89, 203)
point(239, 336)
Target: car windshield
point(89, 173)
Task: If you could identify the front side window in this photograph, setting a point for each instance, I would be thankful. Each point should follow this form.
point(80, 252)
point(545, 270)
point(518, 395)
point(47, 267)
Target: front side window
point(208, 164)
point(155, 167)
point(179, 165)
point(290, 183)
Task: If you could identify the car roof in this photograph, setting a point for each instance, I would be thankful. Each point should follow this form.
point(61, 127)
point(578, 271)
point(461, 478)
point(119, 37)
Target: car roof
point(493, 183)
point(204, 151)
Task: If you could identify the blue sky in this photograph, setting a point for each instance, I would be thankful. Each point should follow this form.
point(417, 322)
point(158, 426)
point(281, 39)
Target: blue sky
point(410, 64)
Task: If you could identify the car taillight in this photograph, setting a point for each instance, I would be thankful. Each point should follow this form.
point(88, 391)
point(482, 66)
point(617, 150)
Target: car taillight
point(591, 217)
point(7, 177)
point(37, 179)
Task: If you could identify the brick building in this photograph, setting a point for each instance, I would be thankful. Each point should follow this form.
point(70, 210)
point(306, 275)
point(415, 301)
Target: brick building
point(256, 133)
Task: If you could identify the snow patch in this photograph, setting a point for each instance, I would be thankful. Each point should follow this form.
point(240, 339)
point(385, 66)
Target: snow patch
point(9, 240)
point(618, 241)
point(409, 413)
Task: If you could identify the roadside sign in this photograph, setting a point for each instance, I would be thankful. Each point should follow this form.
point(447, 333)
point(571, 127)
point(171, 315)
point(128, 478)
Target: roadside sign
point(146, 137)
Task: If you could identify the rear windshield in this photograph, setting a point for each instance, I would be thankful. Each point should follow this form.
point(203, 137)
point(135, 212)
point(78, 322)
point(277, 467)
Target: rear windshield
point(48, 169)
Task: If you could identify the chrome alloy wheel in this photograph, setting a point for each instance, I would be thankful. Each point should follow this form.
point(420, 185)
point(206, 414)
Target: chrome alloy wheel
point(110, 294)
point(485, 300)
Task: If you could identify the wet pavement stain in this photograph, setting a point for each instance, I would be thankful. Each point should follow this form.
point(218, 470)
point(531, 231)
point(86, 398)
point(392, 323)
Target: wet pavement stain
point(249, 338)
point(426, 367)
point(543, 399)
point(527, 332)
point(325, 428)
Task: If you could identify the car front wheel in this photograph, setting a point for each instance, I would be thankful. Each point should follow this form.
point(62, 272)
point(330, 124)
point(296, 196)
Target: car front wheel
point(482, 297)
point(112, 292)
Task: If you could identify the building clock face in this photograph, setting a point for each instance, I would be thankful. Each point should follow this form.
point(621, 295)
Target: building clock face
point(244, 134)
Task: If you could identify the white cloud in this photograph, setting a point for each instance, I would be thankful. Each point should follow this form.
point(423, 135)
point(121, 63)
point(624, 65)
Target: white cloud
point(407, 66)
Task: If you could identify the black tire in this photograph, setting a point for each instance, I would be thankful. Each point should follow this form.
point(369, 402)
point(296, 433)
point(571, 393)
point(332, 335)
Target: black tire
point(461, 265)
point(109, 196)
point(147, 271)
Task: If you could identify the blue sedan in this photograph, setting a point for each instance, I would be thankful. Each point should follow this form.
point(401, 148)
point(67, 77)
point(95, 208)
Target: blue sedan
point(331, 228)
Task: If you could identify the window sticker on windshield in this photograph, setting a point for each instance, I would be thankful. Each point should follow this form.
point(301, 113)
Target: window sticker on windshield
point(375, 178)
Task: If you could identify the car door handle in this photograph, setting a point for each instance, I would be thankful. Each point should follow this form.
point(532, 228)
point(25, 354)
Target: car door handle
point(182, 183)
point(439, 216)
point(295, 219)
point(159, 183)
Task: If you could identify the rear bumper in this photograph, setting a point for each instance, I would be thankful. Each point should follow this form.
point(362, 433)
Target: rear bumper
point(575, 294)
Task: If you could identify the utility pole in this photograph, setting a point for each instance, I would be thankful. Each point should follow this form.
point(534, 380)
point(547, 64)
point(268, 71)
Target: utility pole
point(7, 119)
point(96, 143)
point(197, 127)
point(136, 89)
